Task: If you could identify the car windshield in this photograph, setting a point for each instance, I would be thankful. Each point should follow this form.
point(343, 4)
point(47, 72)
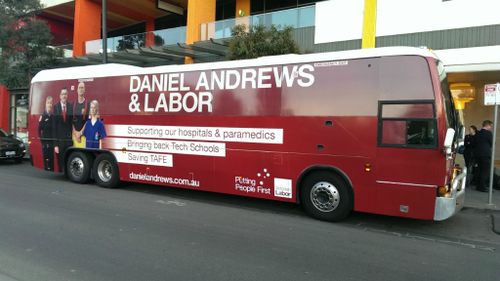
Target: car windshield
point(3, 133)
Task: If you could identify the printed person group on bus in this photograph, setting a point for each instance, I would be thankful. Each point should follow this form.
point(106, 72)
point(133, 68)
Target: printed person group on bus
point(67, 124)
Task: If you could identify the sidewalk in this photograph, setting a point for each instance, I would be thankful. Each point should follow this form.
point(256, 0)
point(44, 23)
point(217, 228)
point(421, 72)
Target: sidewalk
point(480, 200)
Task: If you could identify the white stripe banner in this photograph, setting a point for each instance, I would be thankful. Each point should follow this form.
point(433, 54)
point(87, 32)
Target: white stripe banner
point(224, 134)
point(153, 159)
point(166, 146)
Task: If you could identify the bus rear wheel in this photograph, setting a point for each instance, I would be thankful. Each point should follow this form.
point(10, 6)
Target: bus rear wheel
point(78, 167)
point(105, 171)
point(326, 196)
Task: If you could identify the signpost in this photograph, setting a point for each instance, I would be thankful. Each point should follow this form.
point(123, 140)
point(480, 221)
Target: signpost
point(492, 97)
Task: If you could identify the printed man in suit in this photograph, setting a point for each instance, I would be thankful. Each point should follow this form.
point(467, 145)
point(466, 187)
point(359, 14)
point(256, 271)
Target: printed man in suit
point(63, 113)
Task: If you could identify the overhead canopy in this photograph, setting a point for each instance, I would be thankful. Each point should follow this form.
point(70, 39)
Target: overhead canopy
point(121, 13)
point(203, 51)
point(470, 59)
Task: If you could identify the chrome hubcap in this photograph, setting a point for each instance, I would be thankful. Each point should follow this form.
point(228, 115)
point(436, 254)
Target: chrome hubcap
point(76, 167)
point(105, 170)
point(325, 196)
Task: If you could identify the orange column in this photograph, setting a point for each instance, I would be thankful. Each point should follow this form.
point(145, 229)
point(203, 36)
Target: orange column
point(242, 8)
point(150, 36)
point(87, 25)
point(198, 12)
point(4, 108)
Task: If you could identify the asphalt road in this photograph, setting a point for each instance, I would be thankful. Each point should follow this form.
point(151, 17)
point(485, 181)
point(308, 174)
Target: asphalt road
point(52, 229)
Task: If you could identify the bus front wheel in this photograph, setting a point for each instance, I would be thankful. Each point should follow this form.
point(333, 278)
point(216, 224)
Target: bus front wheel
point(105, 171)
point(78, 167)
point(326, 196)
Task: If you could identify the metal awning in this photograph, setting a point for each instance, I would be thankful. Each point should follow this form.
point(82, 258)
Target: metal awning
point(201, 51)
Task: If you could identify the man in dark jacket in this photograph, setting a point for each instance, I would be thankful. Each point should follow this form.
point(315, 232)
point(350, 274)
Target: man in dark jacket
point(46, 133)
point(482, 151)
point(63, 113)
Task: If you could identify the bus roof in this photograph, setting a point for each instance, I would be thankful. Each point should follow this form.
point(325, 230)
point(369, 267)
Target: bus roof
point(113, 69)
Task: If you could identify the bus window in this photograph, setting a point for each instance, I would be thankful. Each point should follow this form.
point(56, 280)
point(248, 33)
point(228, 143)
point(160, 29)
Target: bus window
point(407, 124)
point(421, 132)
point(405, 78)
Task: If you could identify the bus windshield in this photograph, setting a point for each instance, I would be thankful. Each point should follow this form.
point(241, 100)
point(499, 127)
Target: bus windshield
point(452, 119)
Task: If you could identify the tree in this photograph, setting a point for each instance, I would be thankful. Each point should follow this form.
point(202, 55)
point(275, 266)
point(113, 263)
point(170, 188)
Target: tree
point(135, 41)
point(259, 40)
point(24, 43)
point(130, 42)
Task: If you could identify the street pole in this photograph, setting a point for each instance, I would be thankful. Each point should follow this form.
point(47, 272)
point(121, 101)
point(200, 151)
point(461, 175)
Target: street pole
point(493, 146)
point(104, 33)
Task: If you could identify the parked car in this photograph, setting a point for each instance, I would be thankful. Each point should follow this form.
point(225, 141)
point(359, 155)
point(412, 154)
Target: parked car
point(11, 147)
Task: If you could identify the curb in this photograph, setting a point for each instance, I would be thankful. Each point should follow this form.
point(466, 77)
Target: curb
point(495, 221)
point(482, 208)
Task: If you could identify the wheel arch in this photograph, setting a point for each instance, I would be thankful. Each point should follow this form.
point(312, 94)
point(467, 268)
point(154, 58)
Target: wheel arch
point(92, 153)
point(316, 168)
point(108, 181)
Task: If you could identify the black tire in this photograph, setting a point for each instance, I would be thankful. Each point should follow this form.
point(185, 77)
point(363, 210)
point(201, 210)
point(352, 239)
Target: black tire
point(326, 196)
point(18, 160)
point(105, 171)
point(78, 167)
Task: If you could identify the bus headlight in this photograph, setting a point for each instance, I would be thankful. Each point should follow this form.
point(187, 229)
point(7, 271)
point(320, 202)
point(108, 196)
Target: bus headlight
point(443, 190)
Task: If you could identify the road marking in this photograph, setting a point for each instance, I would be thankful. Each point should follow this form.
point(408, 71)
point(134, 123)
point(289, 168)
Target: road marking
point(431, 239)
point(170, 202)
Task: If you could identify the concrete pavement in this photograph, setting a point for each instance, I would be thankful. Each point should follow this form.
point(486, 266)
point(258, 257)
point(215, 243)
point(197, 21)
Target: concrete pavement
point(480, 200)
point(466, 226)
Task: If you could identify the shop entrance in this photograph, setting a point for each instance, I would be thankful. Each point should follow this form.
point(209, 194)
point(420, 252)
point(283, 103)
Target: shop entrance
point(18, 112)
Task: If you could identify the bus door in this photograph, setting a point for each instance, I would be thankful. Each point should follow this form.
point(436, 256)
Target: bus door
point(407, 158)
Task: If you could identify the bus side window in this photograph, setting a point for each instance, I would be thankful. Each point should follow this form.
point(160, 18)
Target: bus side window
point(407, 124)
point(421, 132)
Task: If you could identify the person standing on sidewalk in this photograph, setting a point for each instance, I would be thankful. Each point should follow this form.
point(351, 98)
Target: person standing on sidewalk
point(470, 160)
point(482, 151)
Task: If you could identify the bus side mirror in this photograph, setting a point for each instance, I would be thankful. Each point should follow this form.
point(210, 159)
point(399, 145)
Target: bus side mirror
point(462, 133)
point(448, 141)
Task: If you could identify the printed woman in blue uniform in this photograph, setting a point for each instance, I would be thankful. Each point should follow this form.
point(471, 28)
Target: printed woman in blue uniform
point(94, 130)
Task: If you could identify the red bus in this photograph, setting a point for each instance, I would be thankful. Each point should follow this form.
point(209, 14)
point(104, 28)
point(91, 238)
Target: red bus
point(365, 130)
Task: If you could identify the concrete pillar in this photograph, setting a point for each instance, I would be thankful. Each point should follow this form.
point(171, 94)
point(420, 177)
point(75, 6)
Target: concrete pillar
point(150, 37)
point(198, 12)
point(369, 24)
point(87, 25)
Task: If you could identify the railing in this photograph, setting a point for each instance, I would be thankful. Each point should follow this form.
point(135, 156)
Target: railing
point(134, 41)
point(296, 18)
point(67, 50)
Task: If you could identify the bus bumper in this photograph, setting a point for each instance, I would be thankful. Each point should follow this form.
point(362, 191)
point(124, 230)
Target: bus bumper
point(448, 206)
